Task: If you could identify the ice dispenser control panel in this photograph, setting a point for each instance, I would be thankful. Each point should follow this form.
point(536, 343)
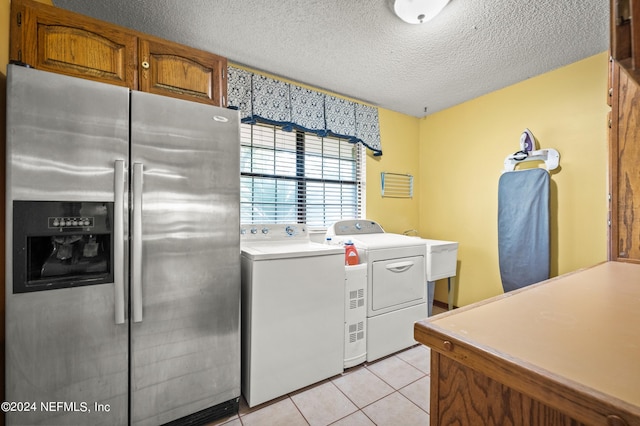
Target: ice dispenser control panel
point(71, 222)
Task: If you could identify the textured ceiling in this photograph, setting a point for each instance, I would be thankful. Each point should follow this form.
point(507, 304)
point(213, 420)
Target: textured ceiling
point(360, 49)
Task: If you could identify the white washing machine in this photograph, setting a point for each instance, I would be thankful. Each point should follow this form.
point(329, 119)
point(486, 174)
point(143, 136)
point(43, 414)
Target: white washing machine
point(396, 288)
point(292, 311)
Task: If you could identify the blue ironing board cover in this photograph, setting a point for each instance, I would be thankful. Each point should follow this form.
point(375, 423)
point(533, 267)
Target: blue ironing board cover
point(523, 227)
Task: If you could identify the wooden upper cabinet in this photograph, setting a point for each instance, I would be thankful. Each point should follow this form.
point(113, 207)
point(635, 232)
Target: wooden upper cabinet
point(173, 70)
point(624, 133)
point(624, 157)
point(52, 39)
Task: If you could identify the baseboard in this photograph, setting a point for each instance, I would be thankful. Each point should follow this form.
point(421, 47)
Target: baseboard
point(208, 415)
point(442, 305)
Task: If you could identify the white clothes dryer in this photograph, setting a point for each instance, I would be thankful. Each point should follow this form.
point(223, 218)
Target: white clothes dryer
point(292, 311)
point(396, 285)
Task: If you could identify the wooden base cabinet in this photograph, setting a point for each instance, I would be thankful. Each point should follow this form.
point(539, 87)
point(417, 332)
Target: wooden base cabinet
point(561, 352)
point(469, 397)
point(53, 39)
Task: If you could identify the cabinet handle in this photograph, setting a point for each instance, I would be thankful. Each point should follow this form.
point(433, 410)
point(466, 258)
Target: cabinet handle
point(613, 420)
point(145, 65)
point(136, 247)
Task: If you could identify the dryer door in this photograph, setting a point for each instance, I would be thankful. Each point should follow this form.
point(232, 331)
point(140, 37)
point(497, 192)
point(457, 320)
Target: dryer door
point(397, 283)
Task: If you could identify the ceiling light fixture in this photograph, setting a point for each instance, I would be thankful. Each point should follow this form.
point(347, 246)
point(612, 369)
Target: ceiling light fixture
point(418, 11)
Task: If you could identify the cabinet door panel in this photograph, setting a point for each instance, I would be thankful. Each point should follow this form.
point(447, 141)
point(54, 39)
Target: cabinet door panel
point(55, 40)
point(467, 397)
point(626, 213)
point(181, 72)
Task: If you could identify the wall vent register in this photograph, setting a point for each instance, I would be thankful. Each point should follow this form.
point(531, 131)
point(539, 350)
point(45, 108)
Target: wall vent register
point(396, 185)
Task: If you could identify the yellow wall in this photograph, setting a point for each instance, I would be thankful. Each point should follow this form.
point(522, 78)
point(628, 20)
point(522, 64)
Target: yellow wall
point(399, 135)
point(462, 150)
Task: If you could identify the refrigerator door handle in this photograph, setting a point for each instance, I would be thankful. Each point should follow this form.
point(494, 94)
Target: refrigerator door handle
point(118, 241)
point(136, 250)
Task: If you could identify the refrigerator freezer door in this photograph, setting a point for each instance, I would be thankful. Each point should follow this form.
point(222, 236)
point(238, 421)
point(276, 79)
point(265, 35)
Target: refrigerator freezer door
point(64, 135)
point(186, 348)
point(64, 350)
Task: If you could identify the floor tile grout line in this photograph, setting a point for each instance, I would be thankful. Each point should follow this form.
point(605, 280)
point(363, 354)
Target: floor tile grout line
point(382, 397)
point(411, 401)
point(366, 366)
point(393, 387)
point(346, 396)
point(361, 409)
point(339, 390)
point(414, 366)
point(299, 410)
point(378, 400)
point(351, 414)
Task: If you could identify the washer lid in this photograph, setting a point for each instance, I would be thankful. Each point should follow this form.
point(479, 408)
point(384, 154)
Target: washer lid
point(287, 250)
point(382, 241)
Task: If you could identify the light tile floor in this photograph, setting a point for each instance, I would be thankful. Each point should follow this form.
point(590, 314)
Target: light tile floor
point(391, 391)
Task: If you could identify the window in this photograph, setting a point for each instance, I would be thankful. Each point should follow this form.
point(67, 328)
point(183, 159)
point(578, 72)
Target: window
point(298, 177)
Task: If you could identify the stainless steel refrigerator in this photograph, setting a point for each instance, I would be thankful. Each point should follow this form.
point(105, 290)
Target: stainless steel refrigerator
point(123, 259)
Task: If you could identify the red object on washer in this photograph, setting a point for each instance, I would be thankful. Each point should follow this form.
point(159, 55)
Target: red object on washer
point(350, 254)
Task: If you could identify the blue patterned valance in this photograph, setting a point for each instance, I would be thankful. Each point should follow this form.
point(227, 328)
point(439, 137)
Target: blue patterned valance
point(267, 100)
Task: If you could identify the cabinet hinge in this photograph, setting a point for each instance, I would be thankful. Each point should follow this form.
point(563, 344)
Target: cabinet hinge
point(19, 18)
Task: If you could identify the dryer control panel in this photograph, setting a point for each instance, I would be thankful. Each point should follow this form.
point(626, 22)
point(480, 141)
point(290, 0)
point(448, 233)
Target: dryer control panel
point(354, 227)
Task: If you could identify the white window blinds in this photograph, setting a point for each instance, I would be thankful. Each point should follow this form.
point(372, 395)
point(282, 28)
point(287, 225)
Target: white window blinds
point(299, 177)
